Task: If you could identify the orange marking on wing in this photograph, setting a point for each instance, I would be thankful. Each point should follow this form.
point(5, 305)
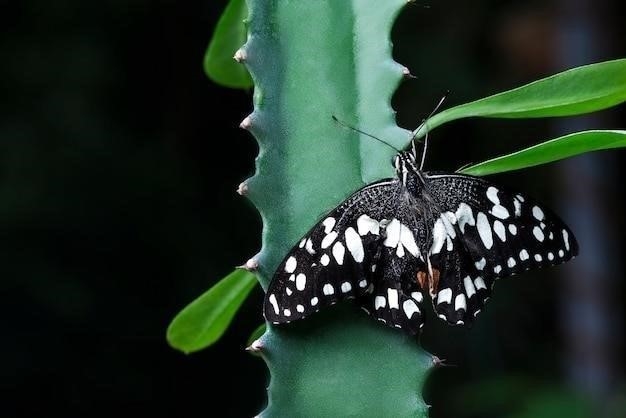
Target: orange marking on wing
point(422, 279)
point(434, 281)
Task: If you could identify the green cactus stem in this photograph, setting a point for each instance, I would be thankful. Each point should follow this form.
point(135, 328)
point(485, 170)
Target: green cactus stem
point(310, 61)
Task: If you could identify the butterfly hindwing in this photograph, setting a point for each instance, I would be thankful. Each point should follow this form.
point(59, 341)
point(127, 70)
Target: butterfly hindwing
point(395, 296)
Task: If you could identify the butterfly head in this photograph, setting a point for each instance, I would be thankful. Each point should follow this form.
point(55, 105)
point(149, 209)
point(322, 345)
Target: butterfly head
point(406, 165)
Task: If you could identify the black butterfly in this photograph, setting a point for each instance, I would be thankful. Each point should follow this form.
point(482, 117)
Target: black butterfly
point(394, 239)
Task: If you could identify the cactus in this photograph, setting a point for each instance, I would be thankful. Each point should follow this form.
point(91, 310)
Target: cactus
point(338, 363)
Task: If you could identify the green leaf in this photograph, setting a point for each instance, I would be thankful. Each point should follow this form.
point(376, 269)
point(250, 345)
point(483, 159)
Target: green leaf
point(580, 90)
point(229, 35)
point(256, 334)
point(205, 319)
point(549, 151)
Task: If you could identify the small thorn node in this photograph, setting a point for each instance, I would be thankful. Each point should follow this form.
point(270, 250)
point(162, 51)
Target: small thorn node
point(246, 123)
point(243, 188)
point(255, 347)
point(251, 265)
point(407, 73)
point(240, 55)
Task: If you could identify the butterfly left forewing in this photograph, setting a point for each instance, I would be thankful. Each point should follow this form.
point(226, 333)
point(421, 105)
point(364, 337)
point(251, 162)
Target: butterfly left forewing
point(334, 260)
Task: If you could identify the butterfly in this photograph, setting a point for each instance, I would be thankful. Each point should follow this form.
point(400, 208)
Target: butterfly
point(393, 241)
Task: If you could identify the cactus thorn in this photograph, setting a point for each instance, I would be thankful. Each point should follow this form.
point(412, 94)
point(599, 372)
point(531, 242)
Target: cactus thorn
point(407, 73)
point(243, 188)
point(240, 55)
point(255, 347)
point(246, 123)
point(438, 362)
point(250, 265)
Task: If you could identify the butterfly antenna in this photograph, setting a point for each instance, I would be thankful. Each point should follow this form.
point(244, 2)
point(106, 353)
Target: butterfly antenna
point(345, 125)
point(415, 132)
point(424, 151)
point(419, 128)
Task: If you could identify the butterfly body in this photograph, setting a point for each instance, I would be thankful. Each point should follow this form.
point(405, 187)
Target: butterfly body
point(396, 240)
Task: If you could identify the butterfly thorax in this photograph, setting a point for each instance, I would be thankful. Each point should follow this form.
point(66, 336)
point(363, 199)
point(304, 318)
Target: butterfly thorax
point(409, 173)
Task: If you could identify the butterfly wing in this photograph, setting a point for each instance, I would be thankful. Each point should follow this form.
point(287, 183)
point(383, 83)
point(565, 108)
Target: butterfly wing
point(360, 250)
point(484, 233)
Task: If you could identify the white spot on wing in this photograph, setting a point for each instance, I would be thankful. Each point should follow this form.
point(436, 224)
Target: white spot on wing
point(363, 283)
point(300, 308)
point(346, 287)
point(328, 223)
point(409, 308)
point(500, 211)
point(287, 312)
point(399, 236)
point(408, 240)
point(566, 239)
point(561, 253)
point(484, 230)
point(511, 262)
point(464, 216)
point(354, 244)
point(392, 295)
point(328, 289)
point(448, 225)
point(366, 225)
point(325, 260)
point(497, 269)
point(338, 252)
point(550, 256)
point(393, 233)
point(460, 302)
point(513, 229)
point(538, 233)
point(498, 228)
point(469, 287)
point(518, 207)
point(538, 257)
point(523, 255)
point(492, 194)
point(274, 303)
point(314, 301)
point(328, 239)
point(309, 247)
point(480, 283)
point(291, 264)
point(538, 213)
point(380, 302)
point(300, 281)
point(288, 291)
point(444, 296)
point(417, 296)
point(480, 264)
point(439, 237)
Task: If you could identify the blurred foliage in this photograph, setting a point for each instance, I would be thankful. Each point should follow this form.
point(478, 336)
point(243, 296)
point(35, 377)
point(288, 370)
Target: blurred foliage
point(230, 34)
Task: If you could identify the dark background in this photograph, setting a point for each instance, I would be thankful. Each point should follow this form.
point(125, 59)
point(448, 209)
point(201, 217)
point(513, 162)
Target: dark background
point(119, 162)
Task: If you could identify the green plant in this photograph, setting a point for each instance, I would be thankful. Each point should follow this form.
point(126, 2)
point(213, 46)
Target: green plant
point(309, 61)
